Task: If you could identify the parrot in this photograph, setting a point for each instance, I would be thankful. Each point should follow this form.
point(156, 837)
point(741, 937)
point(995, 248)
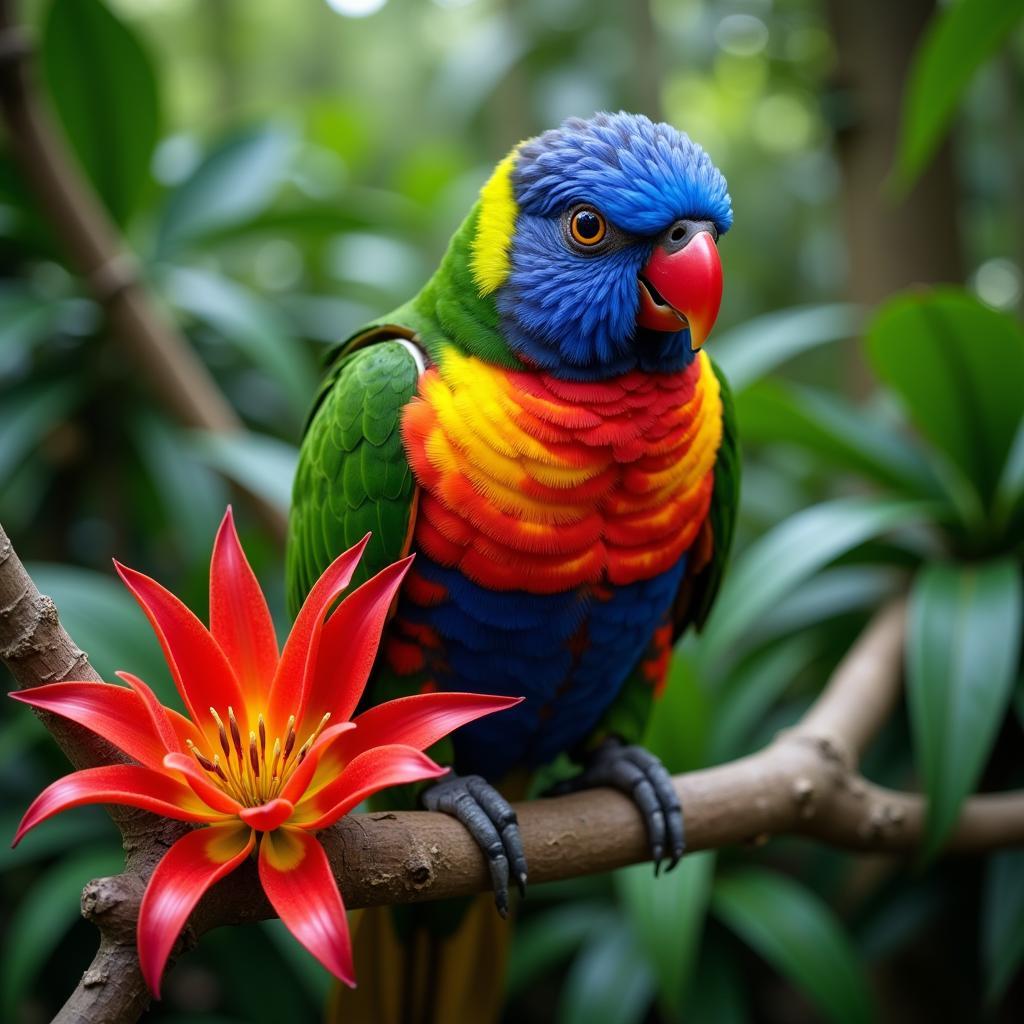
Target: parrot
point(543, 428)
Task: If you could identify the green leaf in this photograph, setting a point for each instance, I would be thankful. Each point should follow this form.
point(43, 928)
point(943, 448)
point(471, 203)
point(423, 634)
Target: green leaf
point(678, 727)
point(790, 554)
point(843, 436)
point(1008, 507)
point(958, 41)
point(963, 645)
point(956, 365)
point(236, 181)
point(104, 87)
point(608, 983)
point(751, 691)
point(252, 326)
point(667, 914)
point(755, 348)
point(100, 614)
point(43, 916)
point(55, 836)
point(260, 464)
point(797, 933)
point(722, 996)
point(541, 942)
point(1002, 939)
point(28, 416)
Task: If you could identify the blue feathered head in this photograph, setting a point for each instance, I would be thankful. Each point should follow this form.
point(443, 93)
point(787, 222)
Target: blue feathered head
point(599, 242)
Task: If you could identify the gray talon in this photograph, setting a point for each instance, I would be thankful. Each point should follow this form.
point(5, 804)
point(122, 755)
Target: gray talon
point(491, 822)
point(644, 779)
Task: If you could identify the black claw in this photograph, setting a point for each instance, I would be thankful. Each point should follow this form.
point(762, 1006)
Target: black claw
point(491, 822)
point(642, 777)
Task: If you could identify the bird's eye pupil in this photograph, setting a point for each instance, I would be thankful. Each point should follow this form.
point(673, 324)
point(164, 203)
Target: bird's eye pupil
point(587, 224)
point(588, 227)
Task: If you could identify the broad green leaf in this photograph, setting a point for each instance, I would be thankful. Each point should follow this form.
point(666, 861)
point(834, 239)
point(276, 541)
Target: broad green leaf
point(963, 644)
point(1008, 507)
point(609, 982)
point(791, 553)
point(236, 181)
point(959, 39)
point(798, 934)
point(843, 436)
point(722, 995)
point(1002, 936)
point(193, 496)
point(43, 915)
point(27, 416)
point(252, 326)
point(667, 914)
point(956, 365)
point(55, 836)
point(751, 690)
point(678, 727)
point(104, 620)
point(261, 464)
point(755, 348)
point(104, 87)
point(541, 942)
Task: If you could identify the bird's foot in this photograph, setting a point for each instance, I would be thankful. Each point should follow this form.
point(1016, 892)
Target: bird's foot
point(490, 820)
point(643, 778)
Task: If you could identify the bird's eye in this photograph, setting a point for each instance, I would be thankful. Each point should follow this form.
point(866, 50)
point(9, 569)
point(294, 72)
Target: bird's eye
point(587, 226)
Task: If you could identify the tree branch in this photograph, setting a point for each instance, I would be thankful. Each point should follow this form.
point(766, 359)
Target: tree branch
point(95, 249)
point(804, 783)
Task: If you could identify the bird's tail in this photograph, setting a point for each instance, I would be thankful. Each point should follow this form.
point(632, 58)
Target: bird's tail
point(414, 967)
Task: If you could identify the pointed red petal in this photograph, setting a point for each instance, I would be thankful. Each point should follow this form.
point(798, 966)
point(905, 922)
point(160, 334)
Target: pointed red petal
point(268, 816)
point(199, 782)
point(155, 710)
point(349, 642)
point(112, 712)
point(298, 882)
point(239, 618)
point(298, 782)
point(370, 772)
point(294, 671)
point(117, 784)
point(418, 721)
point(187, 870)
point(201, 672)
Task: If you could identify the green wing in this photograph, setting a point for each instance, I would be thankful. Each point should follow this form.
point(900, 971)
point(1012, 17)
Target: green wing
point(353, 477)
point(698, 591)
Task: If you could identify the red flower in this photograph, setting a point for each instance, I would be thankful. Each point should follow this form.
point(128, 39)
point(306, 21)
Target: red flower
point(267, 754)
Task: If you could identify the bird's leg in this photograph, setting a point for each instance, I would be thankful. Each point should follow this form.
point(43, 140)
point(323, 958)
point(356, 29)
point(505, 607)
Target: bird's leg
point(643, 778)
point(491, 822)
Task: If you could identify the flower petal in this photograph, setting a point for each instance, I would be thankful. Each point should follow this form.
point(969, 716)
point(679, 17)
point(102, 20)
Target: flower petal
point(239, 618)
point(349, 642)
point(298, 782)
point(268, 816)
point(370, 772)
point(129, 784)
point(294, 671)
point(418, 721)
point(155, 710)
point(186, 871)
point(200, 783)
point(201, 672)
point(116, 714)
point(298, 882)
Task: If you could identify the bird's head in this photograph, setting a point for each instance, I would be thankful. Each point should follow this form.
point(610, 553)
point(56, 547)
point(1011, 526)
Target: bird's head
point(599, 244)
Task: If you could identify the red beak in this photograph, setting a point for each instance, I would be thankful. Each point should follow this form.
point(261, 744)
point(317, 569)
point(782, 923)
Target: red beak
point(682, 289)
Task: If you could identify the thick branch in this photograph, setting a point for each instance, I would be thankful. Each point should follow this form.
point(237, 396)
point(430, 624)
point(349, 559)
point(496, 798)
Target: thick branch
point(96, 250)
point(804, 783)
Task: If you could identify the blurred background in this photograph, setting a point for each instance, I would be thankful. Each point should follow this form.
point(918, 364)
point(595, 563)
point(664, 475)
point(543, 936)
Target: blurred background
point(284, 172)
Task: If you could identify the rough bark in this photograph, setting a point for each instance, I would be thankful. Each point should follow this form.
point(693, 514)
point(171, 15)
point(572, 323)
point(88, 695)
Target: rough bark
point(805, 783)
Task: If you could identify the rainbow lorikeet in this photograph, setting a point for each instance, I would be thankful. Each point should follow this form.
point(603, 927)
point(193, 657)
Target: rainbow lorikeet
point(540, 425)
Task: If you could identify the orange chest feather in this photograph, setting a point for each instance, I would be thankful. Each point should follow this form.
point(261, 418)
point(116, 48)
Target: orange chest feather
point(537, 484)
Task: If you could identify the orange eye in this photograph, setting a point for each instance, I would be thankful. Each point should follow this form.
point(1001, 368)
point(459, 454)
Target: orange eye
point(587, 226)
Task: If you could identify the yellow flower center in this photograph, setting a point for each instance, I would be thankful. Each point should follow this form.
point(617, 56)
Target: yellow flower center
point(249, 772)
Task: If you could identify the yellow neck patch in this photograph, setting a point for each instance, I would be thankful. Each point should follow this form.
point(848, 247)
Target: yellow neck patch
point(489, 260)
